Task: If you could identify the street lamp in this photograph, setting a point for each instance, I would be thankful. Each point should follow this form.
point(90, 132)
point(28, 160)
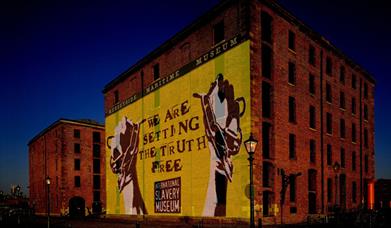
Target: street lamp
point(251, 144)
point(336, 168)
point(48, 192)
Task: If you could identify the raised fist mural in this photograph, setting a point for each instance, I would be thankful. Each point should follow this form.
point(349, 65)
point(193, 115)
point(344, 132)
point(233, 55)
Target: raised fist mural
point(123, 161)
point(221, 117)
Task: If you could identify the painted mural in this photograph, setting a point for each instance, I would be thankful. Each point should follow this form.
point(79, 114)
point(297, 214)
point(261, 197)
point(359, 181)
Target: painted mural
point(178, 149)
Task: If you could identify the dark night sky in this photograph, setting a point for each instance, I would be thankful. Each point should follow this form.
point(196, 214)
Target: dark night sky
point(56, 56)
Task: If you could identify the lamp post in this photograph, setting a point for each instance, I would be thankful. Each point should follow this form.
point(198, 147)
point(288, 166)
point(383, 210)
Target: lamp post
point(17, 191)
point(251, 144)
point(48, 192)
point(336, 168)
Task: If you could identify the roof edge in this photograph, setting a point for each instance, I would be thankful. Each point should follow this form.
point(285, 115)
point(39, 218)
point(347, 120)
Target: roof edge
point(176, 38)
point(88, 123)
point(290, 17)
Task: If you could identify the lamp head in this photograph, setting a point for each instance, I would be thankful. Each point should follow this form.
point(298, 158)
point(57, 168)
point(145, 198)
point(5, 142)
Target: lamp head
point(251, 144)
point(336, 167)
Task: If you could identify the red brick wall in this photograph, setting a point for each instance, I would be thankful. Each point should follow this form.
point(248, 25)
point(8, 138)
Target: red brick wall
point(53, 154)
point(281, 126)
point(237, 18)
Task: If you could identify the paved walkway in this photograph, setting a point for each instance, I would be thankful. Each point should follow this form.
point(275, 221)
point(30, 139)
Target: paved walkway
point(122, 222)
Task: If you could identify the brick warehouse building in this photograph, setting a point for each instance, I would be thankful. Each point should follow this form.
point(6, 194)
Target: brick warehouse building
point(308, 104)
point(70, 153)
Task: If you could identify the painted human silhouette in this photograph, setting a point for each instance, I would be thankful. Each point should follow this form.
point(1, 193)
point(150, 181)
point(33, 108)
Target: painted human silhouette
point(123, 161)
point(221, 117)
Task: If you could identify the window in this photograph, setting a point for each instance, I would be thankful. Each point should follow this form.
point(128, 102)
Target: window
point(365, 112)
point(353, 105)
point(266, 135)
point(354, 79)
point(354, 192)
point(311, 55)
point(267, 61)
point(312, 151)
point(292, 40)
point(96, 151)
point(329, 190)
point(312, 180)
point(116, 96)
point(96, 137)
point(292, 146)
point(312, 117)
point(77, 147)
point(353, 161)
point(292, 73)
point(292, 188)
point(329, 66)
point(218, 32)
point(96, 196)
point(266, 27)
point(329, 155)
point(96, 182)
point(342, 157)
point(266, 203)
point(342, 103)
point(156, 71)
point(77, 164)
point(96, 166)
point(366, 163)
point(311, 80)
point(292, 110)
point(76, 133)
point(342, 75)
point(342, 130)
point(329, 123)
point(365, 90)
point(312, 203)
point(266, 174)
point(266, 100)
point(77, 181)
point(293, 210)
point(353, 132)
point(366, 138)
point(329, 96)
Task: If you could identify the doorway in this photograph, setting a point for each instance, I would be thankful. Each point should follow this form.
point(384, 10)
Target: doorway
point(76, 207)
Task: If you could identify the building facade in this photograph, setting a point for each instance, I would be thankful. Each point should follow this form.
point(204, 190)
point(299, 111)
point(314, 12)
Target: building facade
point(383, 194)
point(246, 66)
point(71, 154)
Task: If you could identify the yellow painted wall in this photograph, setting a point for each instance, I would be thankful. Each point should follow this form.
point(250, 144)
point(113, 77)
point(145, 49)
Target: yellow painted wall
point(194, 165)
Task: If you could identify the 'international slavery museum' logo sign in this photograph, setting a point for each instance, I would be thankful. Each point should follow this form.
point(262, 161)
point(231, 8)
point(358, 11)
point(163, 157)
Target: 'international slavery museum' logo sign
point(177, 150)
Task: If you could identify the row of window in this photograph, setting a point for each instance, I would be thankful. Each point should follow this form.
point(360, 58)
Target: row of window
point(95, 149)
point(312, 187)
point(95, 135)
point(342, 187)
point(266, 152)
point(266, 36)
point(340, 181)
point(312, 60)
point(342, 77)
point(329, 121)
point(329, 97)
point(312, 153)
point(267, 102)
point(95, 165)
point(342, 129)
point(96, 181)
